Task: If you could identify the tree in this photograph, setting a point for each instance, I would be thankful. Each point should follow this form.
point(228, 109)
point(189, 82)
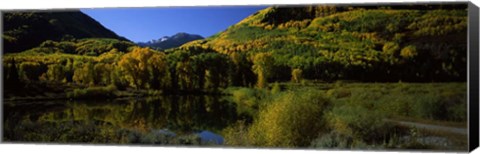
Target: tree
point(141, 66)
point(69, 69)
point(409, 52)
point(262, 67)
point(135, 66)
point(241, 74)
point(84, 73)
point(56, 73)
point(158, 70)
point(390, 48)
point(185, 75)
point(296, 75)
point(102, 73)
point(12, 78)
point(117, 79)
point(216, 70)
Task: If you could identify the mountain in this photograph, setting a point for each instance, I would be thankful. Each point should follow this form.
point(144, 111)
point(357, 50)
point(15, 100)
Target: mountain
point(173, 41)
point(367, 43)
point(25, 30)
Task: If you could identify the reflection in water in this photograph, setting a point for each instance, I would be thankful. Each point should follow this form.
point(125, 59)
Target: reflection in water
point(207, 136)
point(160, 120)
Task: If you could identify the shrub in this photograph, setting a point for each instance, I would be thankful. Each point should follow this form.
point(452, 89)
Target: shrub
point(245, 96)
point(236, 134)
point(293, 119)
point(276, 88)
point(358, 122)
point(247, 100)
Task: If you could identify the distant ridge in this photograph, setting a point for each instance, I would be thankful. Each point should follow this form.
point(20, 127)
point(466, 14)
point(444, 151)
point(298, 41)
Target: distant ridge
point(25, 30)
point(173, 41)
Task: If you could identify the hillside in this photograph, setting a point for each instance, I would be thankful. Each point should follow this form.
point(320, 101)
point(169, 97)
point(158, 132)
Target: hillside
point(367, 43)
point(25, 30)
point(168, 42)
point(279, 44)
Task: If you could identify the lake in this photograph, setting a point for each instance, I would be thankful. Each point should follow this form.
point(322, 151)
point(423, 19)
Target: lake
point(166, 120)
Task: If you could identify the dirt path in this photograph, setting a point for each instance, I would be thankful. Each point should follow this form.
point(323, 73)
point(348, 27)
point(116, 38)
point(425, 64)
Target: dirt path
point(462, 131)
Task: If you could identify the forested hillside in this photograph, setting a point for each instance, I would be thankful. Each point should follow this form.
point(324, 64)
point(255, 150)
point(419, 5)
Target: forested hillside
point(24, 30)
point(367, 43)
point(277, 44)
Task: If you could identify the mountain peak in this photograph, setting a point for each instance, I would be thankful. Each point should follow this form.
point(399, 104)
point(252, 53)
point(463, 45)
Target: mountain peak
point(167, 42)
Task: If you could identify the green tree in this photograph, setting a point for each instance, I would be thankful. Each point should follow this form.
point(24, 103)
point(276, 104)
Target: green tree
point(217, 69)
point(12, 77)
point(241, 74)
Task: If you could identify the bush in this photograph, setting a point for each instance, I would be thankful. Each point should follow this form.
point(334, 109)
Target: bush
point(247, 100)
point(276, 88)
point(236, 134)
point(359, 123)
point(293, 119)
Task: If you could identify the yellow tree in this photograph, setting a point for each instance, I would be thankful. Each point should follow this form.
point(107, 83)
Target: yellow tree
point(409, 52)
point(84, 73)
point(296, 75)
point(262, 67)
point(138, 65)
point(158, 70)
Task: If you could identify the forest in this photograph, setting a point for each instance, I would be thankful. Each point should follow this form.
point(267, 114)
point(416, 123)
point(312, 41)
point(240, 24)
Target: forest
point(314, 76)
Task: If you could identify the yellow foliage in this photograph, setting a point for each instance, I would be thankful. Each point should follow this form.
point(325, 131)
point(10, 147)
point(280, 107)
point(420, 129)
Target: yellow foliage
point(296, 75)
point(139, 64)
point(409, 52)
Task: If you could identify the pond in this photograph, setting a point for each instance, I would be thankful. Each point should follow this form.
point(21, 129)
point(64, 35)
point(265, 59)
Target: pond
point(166, 120)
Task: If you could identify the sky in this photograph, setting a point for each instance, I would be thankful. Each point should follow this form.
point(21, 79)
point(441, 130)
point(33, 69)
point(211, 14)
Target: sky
point(145, 24)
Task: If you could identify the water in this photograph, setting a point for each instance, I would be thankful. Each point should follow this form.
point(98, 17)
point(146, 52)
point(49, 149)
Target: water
point(169, 120)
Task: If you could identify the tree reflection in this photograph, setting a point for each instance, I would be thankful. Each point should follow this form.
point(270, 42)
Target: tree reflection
point(117, 121)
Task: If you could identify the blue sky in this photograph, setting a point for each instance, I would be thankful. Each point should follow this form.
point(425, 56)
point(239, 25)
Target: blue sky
point(144, 24)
